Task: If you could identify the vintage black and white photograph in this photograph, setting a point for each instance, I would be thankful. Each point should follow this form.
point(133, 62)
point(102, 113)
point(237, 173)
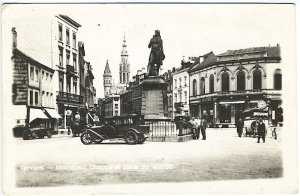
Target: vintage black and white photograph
point(121, 98)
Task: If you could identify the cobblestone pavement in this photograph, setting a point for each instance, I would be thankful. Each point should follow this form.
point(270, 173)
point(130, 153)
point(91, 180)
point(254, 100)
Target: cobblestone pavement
point(223, 156)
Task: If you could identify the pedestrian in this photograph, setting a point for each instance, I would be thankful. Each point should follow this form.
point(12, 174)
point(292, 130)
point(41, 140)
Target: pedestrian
point(76, 130)
point(198, 121)
point(203, 126)
point(194, 127)
point(261, 130)
point(239, 126)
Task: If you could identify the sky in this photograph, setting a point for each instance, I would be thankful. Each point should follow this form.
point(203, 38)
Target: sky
point(186, 30)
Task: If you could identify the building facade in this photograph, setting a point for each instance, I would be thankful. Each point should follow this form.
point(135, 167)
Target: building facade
point(180, 91)
point(111, 106)
point(223, 86)
point(168, 77)
point(107, 80)
point(32, 91)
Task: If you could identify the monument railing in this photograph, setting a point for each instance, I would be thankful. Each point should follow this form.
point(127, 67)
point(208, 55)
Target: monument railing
point(164, 128)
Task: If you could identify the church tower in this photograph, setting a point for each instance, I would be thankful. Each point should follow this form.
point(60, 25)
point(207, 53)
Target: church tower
point(124, 65)
point(107, 80)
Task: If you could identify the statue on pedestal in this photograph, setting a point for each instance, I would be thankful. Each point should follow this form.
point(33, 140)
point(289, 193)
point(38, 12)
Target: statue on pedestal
point(156, 56)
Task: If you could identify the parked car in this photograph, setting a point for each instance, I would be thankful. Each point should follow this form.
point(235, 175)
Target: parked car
point(33, 133)
point(119, 128)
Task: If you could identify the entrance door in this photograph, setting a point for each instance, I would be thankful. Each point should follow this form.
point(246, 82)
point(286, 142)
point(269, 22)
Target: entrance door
point(225, 113)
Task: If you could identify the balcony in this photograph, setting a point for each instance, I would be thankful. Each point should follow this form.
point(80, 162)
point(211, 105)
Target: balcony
point(68, 97)
point(71, 70)
point(178, 105)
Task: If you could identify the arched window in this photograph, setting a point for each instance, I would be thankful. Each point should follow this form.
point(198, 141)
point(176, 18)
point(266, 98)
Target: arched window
point(194, 87)
point(211, 83)
point(225, 81)
point(202, 86)
point(257, 79)
point(240, 80)
point(277, 79)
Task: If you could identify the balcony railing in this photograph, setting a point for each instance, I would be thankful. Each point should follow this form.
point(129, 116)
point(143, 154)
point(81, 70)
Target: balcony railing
point(71, 70)
point(178, 104)
point(69, 97)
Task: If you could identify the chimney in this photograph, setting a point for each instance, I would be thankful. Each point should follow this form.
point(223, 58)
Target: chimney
point(14, 36)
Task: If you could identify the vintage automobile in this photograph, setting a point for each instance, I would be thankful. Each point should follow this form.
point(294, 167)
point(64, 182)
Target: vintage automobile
point(117, 128)
point(250, 120)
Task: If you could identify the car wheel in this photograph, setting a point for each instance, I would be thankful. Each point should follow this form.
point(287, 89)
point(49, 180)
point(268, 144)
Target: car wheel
point(141, 140)
point(34, 135)
point(86, 138)
point(131, 137)
point(49, 135)
point(26, 135)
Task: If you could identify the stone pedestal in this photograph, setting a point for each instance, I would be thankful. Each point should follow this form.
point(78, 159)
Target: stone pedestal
point(154, 98)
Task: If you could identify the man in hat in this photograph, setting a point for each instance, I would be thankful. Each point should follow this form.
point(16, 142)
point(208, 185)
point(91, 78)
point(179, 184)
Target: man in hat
point(261, 130)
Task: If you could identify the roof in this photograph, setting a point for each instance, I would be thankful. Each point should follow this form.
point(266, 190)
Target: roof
point(107, 71)
point(208, 59)
point(270, 51)
point(70, 20)
point(31, 60)
point(81, 48)
point(237, 55)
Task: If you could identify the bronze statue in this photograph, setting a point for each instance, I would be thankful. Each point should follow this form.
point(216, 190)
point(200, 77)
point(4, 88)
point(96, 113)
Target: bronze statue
point(157, 54)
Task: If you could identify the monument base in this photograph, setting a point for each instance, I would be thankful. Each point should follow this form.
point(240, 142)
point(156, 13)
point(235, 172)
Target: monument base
point(154, 98)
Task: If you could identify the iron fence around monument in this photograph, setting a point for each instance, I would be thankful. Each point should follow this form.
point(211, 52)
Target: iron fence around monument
point(161, 128)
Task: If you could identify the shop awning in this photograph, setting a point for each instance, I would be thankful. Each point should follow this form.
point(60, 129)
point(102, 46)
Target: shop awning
point(53, 113)
point(36, 113)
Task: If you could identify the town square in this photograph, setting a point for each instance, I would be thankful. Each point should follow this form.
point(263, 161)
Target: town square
point(123, 94)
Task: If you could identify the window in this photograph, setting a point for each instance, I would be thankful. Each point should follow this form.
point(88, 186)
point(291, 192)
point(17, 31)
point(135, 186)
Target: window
point(180, 97)
point(61, 81)
point(225, 81)
point(31, 97)
point(240, 80)
point(202, 86)
point(43, 73)
point(74, 62)
point(68, 58)
point(47, 75)
point(257, 79)
point(194, 87)
point(68, 84)
point(116, 106)
point(179, 82)
point(277, 80)
point(31, 73)
point(60, 36)
point(75, 86)
point(47, 98)
point(185, 97)
point(51, 77)
point(175, 83)
point(43, 98)
point(61, 57)
point(185, 79)
point(36, 75)
point(36, 98)
point(68, 36)
point(211, 83)
point(74, 40)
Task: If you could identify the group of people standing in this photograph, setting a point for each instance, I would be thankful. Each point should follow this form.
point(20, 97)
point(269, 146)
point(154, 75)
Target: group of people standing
point(197, 126)
point(259, 126)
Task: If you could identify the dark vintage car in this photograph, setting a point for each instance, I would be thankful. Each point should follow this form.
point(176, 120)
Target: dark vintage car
point(116, 128)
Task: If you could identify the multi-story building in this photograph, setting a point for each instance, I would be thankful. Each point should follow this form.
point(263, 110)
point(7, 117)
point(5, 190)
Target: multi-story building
point(54, 44)
point(180, 89)
point(224, 85)
point(169, 80)
point(66, 62)
point(112, 106)
point(33, 90)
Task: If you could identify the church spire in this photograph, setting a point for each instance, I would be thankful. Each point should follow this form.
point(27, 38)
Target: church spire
point(124, 67)
point(107, 69)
